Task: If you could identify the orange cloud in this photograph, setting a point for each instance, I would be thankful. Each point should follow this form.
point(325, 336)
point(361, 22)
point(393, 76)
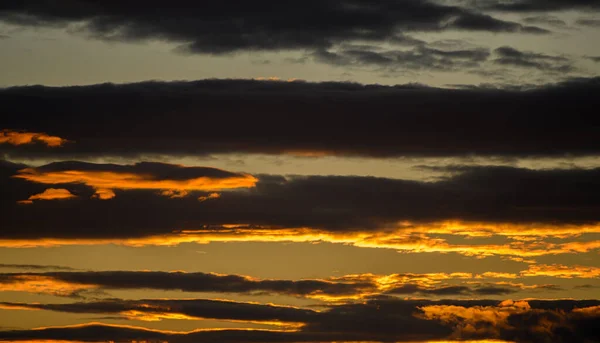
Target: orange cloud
point(23, 138)
point(395, 240)
point(210, 196)
point(105, 181)
point(467, 321)
point(562, 271)
point(50, 194)
point(42, 284)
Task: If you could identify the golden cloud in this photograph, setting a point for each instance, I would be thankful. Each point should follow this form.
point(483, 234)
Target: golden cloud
point(562, 271)
point(50, 194)
point(105, 182)
point(24, 138)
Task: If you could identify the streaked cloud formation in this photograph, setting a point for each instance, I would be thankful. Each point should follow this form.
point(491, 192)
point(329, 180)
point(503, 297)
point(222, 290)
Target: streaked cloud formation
point(316, 171)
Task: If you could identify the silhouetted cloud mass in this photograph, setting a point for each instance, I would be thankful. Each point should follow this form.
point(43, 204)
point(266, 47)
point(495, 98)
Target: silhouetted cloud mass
point(243, 116)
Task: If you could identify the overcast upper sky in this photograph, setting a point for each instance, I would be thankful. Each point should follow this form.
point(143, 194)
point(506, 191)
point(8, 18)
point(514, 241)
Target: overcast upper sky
point(300, 171)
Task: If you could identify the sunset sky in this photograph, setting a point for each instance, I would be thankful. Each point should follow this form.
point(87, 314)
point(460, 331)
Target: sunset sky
point(300, 171)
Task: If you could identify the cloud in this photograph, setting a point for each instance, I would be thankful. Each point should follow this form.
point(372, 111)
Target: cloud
point(537, 5)
point(594, 58)
point(34, 267)
point(71, 283)
point(588, 22)
point(184, 309)
point(174, 180)
point(334, 289)
point(50, 194)
point(512, 203)
point(383, 320)
point(244, 116)
point(520, 321)
point(23, 138)
point(546, 20)
point(513, 57)
point(562, 271)
point(231, 26)
point(419, 58)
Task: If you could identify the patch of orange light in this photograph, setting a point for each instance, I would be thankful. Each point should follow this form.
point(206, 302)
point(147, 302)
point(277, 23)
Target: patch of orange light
point(103, 194)
point(562, 271)
point(395, 240)
point(104, 182)
point(468, 320)
point(43, 284)
point(23, 138)
point(210, 196)
point(50, 194)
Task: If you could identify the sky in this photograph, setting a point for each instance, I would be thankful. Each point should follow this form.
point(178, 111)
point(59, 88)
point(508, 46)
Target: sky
point(300, 171)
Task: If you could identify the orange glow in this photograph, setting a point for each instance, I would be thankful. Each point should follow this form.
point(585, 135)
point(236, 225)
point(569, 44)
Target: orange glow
point(132, 327)
point(50, 194)
point(103, 194)
point(155, 316)
point(42, 284)
point(523, 232)
point(396, 240)
point(465, 320)
point(22, 138)
point(593, 311)
point(104, 182)
point(210, 196)
point(494, 275)
point(562, 271)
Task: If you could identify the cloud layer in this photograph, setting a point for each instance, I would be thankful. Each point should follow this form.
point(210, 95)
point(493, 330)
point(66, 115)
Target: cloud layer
point(376, 320)
point(242, 116)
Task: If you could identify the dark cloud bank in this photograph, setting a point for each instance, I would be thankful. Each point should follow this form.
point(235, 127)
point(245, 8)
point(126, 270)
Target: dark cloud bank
point(236, 25)
point(384, 320)
point(220, 283)
point(243, 116)
point(332, 203)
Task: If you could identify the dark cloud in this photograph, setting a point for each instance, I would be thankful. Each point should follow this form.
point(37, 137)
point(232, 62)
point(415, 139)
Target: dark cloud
point(513, 57)
point(384, 320)
point(200, 282)
point(589, 22)
point(331, 203)
point(227, 116)
point(419, 58)
point(234, 25)
point(537, 5)
point(197, 308)
point(34, 267)
point(546, 20)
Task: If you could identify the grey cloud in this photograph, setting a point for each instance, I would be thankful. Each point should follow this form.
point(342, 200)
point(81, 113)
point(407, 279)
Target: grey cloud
point(589, 22)
point(546, 20)
point(232, 25)
point(513, 57)
point(536, 5)
point(419, 58)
